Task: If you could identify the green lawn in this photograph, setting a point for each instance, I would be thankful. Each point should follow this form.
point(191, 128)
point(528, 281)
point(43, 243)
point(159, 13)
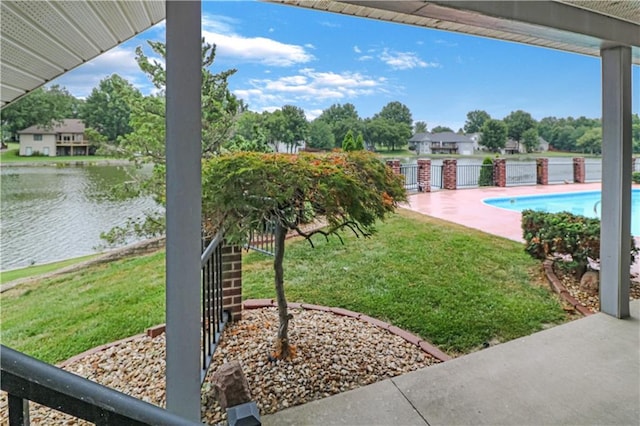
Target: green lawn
point(31, 271)
point(456, 287)
point(11, 156)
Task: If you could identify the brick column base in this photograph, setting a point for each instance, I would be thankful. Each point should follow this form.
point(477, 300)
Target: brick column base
point(232, 281)
point(500, 172)
point(542, 171)
point(578, 170)
point(449, 174)
point(395, 166)
point(424, 175)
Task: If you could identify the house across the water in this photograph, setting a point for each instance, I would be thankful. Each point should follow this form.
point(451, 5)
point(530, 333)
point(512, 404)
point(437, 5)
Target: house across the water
point(441, 143)
point(60, 139)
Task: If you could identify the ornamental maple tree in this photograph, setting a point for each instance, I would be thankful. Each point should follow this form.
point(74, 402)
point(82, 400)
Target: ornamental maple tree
point(244, 190)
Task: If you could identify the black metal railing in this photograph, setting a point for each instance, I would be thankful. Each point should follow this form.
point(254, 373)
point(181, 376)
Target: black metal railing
point(592, 170)
point(436, 176)
point(214, 316)
point(468, 175)
point(410, 173)
point(520, 173)
point(26, 379)
point(263, 241)
point(637, 165)
point(560, 172)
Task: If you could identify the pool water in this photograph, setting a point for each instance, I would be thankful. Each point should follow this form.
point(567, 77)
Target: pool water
point(582, 203)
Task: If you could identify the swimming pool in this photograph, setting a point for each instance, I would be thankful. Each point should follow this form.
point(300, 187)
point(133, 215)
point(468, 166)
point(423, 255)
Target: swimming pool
point(583, 203)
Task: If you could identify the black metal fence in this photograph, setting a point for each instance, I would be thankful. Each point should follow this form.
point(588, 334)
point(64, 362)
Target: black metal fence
point(593, 170)
point(468, 175)
point(436, 176)
point(559, 172)
point(520, 173)
point(214, 316)
point(410, 173)
point(263, 241)
point(27, 379)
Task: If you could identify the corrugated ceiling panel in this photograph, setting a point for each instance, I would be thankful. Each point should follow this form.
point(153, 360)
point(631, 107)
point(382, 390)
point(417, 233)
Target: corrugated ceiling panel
point(88, 21)
point(47, 18)
point(15, 78)
point(7, 94)
point(156, 10)
point(112, 16)
point(24, 33)
point(21, 59)
point(136, 14)
point(629, 10)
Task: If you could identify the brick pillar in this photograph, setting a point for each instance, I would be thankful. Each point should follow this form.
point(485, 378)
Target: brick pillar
point(449, 174)
point(232, 281)
point(542, 171)
point(395, 166)
point(500, 172)
point(424, 175)
point(578, 170)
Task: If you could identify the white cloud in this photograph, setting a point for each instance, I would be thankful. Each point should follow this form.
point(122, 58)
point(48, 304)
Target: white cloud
point(230, 45)
point(357, 49)
point(312, 114)
point(404, 60)
point(365, 58)
point(309, 85)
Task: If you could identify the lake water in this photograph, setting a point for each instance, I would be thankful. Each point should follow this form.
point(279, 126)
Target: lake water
point(51, 213)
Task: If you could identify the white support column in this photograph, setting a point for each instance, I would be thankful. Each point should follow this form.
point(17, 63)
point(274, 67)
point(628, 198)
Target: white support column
point(183, 150)
point(616, 181)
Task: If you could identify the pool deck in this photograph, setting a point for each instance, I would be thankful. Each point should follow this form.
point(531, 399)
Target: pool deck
point(465, 207)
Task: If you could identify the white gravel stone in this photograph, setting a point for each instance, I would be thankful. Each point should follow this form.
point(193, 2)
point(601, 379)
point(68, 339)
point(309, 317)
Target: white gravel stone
point(333, 354)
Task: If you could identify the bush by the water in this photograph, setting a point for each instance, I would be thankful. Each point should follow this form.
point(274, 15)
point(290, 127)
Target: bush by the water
point(635, 177)
point(549, 234)
point(486, 172)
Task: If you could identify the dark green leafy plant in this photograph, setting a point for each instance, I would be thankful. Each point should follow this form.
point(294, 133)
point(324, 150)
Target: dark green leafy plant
point(550, 234)
point(635, 177)
point(486, 172)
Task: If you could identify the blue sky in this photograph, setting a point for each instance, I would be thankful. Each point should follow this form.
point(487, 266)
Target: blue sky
point(292, 56)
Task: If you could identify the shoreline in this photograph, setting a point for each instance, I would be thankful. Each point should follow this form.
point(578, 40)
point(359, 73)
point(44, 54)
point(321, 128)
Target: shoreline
point(67, 163)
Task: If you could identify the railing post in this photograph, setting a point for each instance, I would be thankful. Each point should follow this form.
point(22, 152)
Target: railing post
point(232, 281)
point(578, 170)
point(500, 172)
point(542, 171)
point(18, 411)
point(424, 175)
point(449, 174)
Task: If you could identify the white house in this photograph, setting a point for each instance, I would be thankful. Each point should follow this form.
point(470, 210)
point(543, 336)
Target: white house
point(441, 143)
point(63, 138)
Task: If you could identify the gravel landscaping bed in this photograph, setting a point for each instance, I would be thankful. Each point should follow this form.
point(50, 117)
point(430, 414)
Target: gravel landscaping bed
point(592, 302)
point(334, 354)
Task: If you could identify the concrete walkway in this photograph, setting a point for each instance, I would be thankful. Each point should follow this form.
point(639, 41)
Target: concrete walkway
point(586, 372)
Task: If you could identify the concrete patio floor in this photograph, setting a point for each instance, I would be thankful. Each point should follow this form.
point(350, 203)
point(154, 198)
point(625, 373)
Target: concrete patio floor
point(586, 372)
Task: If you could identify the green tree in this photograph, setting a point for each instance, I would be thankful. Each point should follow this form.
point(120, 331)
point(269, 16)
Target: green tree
point(494, 135)
point(296, 127)
point(107, 109)
point(341, 119)
point(635, 132)
point(419, 127)
point(350, 190)
point(591, 141)
point(486, 172)
point(530, 140)
point(396, 112)
point(249, 134)
point(320, 135)
point(391, 134)
point(517, 123)
point(349, 144)
point(359, 143)
point(44, 107)
point(441, 129)
point(475, 121)
point(146, 142)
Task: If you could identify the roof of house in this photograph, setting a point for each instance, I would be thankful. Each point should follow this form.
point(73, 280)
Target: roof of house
point(68, 125)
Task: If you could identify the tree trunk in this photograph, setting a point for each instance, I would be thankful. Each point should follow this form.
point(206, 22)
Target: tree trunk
point(283, 349)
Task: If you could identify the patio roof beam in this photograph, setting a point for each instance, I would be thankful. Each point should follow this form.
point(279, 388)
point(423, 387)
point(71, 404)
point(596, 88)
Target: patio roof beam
point(183, 212)
point(616, 181)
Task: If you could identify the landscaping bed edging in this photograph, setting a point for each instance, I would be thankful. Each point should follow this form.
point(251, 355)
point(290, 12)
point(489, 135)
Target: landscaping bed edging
point(559, 288)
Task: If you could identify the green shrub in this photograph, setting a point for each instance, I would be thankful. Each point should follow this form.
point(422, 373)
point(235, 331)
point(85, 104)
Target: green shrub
point(548, 234)
point(486, 172)
point(635, 177)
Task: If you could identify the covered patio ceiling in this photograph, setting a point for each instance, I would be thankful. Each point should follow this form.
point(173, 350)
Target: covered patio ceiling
point(41, 40)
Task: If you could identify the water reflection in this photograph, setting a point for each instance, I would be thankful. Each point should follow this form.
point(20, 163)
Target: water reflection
point(53, 213)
